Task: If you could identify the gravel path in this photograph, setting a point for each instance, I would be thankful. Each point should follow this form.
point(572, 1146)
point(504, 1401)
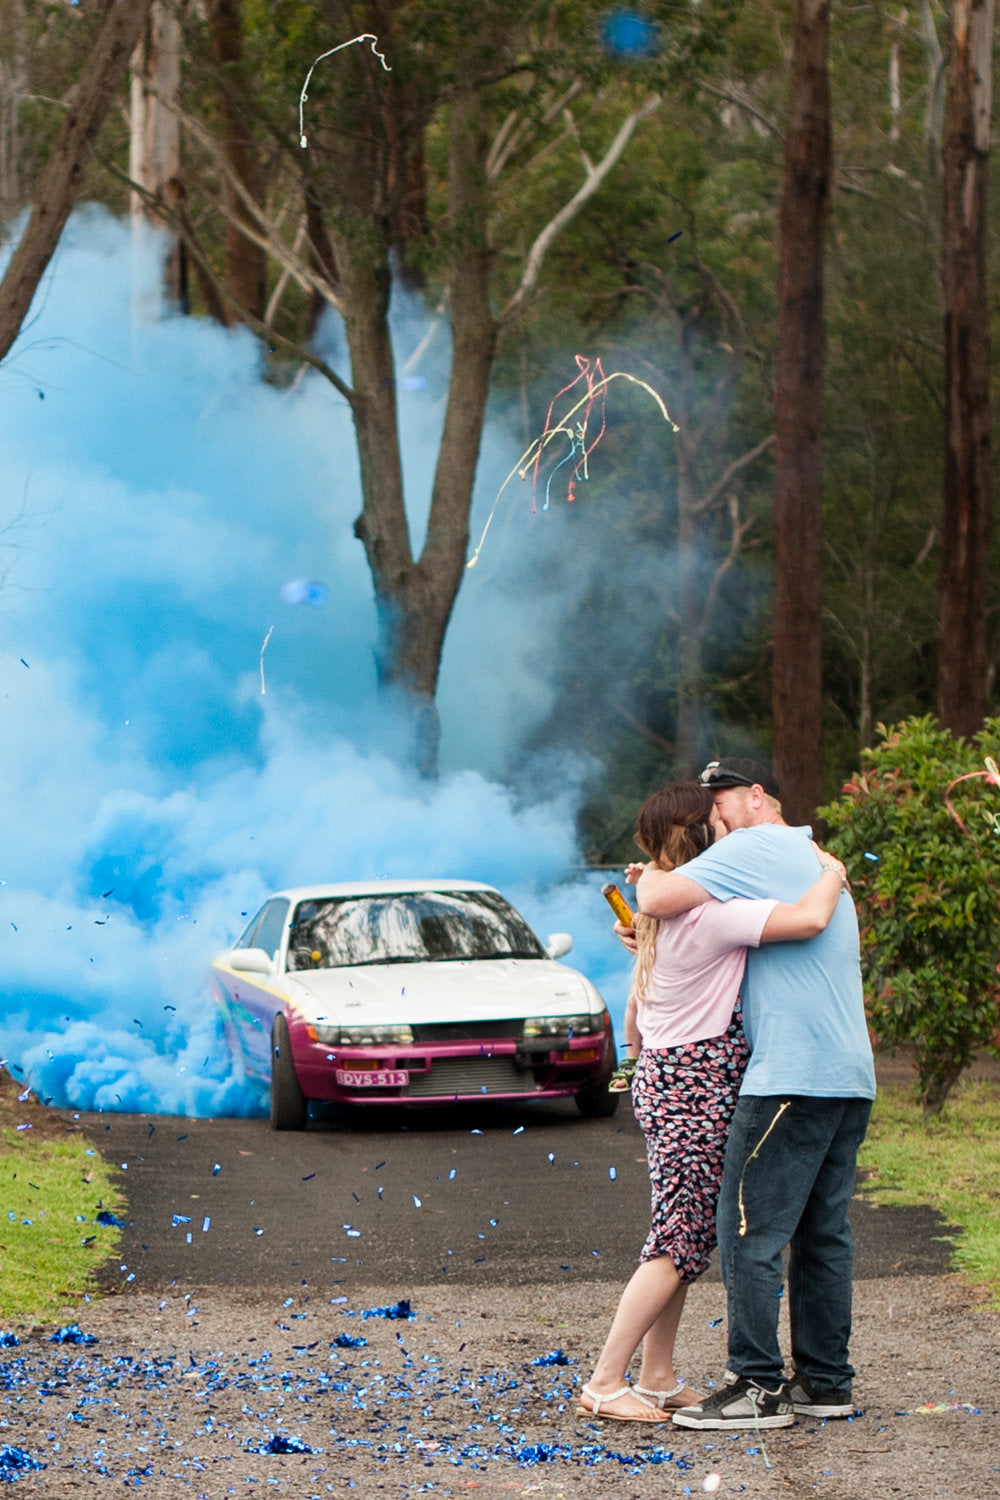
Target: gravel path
point(182, 1396)
point(314, 1389)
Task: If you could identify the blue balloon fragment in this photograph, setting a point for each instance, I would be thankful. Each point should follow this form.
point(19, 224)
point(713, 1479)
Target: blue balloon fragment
point(628, 33)
point(104, 1217)
point(557, 1357)
point(304, 591)
point(345, 1341)
point(9, 1341)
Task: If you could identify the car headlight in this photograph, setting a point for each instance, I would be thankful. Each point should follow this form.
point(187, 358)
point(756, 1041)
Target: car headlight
point(561, 1026)
point(360, 1036)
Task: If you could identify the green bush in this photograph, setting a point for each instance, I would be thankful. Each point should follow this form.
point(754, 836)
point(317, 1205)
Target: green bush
point(922, 848)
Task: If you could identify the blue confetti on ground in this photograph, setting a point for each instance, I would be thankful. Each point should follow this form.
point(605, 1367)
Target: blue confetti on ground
point(71, 1334)
point(400, 1309)
point(14, 1462)
point(281, 1444)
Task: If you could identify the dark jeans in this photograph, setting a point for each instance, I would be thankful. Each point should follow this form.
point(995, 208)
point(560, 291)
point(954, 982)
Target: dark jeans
point(788, 1179)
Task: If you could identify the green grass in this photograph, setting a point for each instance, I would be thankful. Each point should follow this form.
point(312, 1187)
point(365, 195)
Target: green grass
point(52, 1192)
point(951, 1163)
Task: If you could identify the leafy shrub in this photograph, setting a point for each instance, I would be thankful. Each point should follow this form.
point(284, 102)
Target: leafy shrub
point(919, 831)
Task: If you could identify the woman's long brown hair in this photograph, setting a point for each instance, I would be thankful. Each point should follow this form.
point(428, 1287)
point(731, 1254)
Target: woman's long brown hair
point(673, 825)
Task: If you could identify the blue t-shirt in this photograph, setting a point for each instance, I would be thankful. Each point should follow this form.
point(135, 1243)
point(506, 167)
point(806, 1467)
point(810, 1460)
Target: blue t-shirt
point(803, 1007)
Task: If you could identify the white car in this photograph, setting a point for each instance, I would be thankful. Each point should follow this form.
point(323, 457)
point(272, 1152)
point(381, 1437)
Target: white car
point(409, 992)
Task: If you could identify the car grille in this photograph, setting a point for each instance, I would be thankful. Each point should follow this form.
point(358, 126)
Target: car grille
point(467, 1031)
point(469, 1075)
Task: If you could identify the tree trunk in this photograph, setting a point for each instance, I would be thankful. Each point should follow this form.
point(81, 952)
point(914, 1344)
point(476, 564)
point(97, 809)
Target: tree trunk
point(416, 598)
point(121, 27)
point(13, 92)
point(963, 653)
point(246, 262)
point(155, 138)
point(798, 513)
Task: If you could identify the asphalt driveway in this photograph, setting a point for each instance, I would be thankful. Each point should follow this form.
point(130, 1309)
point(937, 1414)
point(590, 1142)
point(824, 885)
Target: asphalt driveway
point(468, 1195)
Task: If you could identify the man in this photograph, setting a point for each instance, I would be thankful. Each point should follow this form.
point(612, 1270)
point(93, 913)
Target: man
point(801, 1116)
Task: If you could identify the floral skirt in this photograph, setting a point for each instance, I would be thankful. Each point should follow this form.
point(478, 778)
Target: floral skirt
point(684, 1099)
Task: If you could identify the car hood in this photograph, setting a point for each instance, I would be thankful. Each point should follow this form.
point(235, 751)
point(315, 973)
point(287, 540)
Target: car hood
point(485, 990)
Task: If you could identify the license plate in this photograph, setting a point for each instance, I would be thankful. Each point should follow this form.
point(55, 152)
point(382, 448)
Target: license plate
point(357, 1078)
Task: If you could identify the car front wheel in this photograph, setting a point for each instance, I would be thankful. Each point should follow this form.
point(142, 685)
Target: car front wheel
point(594, 1102)
point(289, 1106)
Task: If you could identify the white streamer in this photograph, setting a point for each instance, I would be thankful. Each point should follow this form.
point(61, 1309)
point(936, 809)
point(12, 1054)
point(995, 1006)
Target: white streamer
point(366, 36)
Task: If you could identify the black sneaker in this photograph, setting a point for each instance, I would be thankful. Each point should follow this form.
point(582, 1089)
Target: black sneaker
point(809, 1400)
point(739, 1405)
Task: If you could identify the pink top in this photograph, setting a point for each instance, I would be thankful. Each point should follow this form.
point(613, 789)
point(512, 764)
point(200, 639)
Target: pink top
point(697, 972)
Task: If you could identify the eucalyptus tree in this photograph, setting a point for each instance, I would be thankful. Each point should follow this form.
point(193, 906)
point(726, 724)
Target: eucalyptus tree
point(797, 687)
point(117, 27)
point(407, 163)
point(964, 655)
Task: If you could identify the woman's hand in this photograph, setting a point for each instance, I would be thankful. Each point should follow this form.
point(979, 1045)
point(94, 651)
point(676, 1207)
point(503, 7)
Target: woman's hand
point(626, 936)
point(830, 861)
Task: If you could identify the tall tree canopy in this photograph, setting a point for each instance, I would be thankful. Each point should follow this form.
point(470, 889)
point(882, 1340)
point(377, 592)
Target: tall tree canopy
point(526, 172)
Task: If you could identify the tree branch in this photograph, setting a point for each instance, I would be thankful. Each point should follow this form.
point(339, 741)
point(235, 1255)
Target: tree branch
point(740, 100)
point(261, 231)
point(729, 473)
point(594, 178)
point(56, 193)
point(179, 220)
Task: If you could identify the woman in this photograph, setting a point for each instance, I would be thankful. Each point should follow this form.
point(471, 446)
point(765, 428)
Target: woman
point(684, 1005)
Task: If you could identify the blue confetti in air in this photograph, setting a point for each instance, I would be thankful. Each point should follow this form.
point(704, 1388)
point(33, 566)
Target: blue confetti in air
point(628, 33)
point(872, 857)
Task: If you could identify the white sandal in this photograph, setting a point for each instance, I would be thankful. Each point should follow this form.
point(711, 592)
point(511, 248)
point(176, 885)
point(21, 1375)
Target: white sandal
point(599, 1399)
point(667, 1400)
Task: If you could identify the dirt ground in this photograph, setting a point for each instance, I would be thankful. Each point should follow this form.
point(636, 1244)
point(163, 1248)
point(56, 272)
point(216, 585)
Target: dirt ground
point(204, 1393)
point(183, 1396)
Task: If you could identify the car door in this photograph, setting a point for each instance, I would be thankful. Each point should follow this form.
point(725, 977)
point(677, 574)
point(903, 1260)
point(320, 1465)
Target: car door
point(254, 999)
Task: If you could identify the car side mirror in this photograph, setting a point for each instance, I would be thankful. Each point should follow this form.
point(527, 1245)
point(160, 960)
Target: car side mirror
point(250, 960)
point(558, 944)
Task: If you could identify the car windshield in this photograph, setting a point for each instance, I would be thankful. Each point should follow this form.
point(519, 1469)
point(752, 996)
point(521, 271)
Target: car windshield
point(416, 927)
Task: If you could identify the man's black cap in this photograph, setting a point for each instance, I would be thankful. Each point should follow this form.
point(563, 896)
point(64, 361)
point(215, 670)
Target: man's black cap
point(735, 771)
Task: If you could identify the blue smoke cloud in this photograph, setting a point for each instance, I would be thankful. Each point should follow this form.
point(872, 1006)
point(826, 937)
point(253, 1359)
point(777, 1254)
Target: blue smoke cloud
point(180, 739)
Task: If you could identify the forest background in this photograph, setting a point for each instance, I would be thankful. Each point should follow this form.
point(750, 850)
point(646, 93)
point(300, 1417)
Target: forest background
point(667, 271)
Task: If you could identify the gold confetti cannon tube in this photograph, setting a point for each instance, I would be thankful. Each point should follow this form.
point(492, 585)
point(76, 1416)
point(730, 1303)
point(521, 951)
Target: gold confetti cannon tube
point(618, 904)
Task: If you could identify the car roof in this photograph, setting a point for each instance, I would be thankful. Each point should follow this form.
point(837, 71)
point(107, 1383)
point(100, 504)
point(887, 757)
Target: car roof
point(377, 887)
